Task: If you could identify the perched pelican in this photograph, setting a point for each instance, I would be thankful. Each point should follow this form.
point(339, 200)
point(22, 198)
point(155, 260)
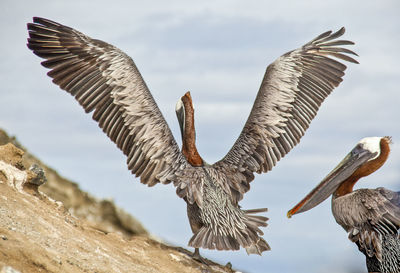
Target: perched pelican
point(105, 81)
point(371, 217)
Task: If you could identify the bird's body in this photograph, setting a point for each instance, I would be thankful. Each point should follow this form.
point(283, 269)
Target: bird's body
point(390, 256)
point(362, 213)
point(105, 81)
point(231, 226)
point(234, 227)
point(371, 217)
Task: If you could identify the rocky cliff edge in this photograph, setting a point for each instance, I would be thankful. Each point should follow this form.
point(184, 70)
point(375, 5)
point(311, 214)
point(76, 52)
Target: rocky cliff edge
point(72, 231)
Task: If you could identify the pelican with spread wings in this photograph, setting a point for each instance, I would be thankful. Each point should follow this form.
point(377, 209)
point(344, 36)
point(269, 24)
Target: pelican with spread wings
point(106, 82)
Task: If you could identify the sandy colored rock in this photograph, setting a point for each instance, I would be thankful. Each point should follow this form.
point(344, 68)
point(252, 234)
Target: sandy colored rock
point(100, 214)
point(11, 155)
point(39, 234)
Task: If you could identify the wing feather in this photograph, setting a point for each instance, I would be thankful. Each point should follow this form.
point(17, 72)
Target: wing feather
point(106, 82)
point(374, 214)
point(293, 89)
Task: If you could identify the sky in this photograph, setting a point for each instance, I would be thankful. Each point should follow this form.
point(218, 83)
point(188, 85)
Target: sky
point(219, 51)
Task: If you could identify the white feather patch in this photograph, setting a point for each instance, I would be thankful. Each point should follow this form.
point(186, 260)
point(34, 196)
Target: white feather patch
point(372, 144)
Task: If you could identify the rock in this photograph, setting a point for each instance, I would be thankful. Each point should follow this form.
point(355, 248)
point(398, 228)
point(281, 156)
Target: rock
point(13, 171)
point(36, 175)
point(11, 155)
point(37, 233)
point(9, 269)
point(100, 214)
point(12, 176)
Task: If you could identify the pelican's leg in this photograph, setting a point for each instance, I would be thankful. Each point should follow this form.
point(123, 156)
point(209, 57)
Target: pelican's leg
point(196, 255)
point(193, 212)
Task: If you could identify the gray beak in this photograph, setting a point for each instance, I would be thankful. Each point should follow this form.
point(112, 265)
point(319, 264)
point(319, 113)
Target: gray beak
point(353, 161)
point(180, 114)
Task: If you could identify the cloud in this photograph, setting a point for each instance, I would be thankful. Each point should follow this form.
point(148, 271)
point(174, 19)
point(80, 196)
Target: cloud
point(219, 51)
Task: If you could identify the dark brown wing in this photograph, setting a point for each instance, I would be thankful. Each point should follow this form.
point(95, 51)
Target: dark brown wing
point(376, 215)
point(293, 88)
point(105, 81)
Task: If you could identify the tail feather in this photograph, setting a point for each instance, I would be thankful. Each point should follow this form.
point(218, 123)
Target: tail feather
point(248, 237)
point(257, 219)
point(253, 211)
point(206, 238)
point(258, 248)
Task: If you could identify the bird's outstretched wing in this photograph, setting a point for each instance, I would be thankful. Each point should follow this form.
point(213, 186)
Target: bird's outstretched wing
point(105, 81)
point(376, 215)
point(293, 88)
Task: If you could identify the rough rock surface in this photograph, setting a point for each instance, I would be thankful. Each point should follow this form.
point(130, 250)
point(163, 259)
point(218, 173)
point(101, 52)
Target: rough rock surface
point(100, 214)
point(39, 234)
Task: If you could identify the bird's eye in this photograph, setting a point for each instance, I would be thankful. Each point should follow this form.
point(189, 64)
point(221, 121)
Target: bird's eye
point(356, 149)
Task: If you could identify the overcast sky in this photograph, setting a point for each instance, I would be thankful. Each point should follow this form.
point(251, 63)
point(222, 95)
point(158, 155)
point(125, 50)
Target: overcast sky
point(219, 51)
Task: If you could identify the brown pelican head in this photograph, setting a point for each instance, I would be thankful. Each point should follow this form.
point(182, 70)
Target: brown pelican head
point(185, 114)
point(365, 158)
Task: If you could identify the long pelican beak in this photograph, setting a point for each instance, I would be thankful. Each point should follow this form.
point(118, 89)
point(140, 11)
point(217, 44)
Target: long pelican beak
point(353, 161)
point(180, 114)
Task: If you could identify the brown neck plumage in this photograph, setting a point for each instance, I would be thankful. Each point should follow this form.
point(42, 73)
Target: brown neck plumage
point(189, 149)
point(366, 169)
